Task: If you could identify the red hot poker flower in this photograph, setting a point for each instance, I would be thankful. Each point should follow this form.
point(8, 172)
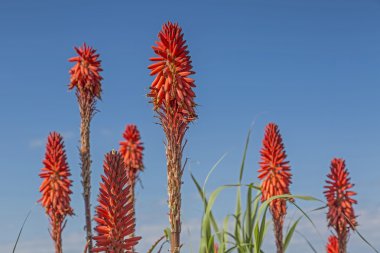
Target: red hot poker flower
point(115, 214)
point(85, 73)
point(132, 150)
point(173, 98)
point(274, 170)
point(341, 215)
point(85, 76)
point(275, 177)
point(172, 90)
point(55, 187)
point(332, 245)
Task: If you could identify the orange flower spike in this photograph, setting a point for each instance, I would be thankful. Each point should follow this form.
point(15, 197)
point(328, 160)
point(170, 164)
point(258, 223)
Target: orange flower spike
point(55, 187)
point(172, 87)
point(341, 215)
point(274, 170)
point(172, 95)
point(85, 73)
point(85, 76)
point(275, 177)
point(132, 150)
point(332, 245)
point(115, 214)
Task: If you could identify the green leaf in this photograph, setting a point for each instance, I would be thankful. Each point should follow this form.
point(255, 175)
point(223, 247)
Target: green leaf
point(308, 242)
point(237, 218)
point(205, 227)
point(290, 233)
point(212, 170)
point(22, 227)
point(365, 240)
point(167, 233)
point(244, 155)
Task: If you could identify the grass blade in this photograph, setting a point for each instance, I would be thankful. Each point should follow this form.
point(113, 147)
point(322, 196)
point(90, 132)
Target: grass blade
point(244, 155)
point(308, 242)
point(22, 227)
point(290, 233)
point(156, 243)
point(212, 170)
point(365, 240)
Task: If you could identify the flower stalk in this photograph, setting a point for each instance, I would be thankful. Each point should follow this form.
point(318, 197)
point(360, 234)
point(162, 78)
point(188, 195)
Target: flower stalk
point(115, 214)
point(55, 188)
point(132, 151)
point(86, 79)
point(172, 96)
point(341, 216)
point(131, 148)
point(275, 176)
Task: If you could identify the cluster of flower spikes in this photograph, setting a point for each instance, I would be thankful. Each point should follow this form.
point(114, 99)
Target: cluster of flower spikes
point(172, 89)
point(274, 170)
point(341, 215)
point(332, 245)
point(114, 214)
point(132, 150)
point(85, 74)
point(55, 187)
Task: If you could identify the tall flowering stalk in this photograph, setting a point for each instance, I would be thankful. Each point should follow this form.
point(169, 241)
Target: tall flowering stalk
point(132, 151)
point(85, 77)
point(341, 216)
point(332, 245)
point(131, 148)
point(275, 177)
point(173, 99)
point(55, 187)
point(114, 214)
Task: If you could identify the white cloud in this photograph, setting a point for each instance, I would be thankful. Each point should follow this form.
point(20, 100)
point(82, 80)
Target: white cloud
point(106, 132)
point(36, 143)
point(67, 135)
point(40, 142)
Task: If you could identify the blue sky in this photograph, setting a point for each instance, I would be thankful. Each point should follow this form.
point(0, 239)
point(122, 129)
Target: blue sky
point(310, 66)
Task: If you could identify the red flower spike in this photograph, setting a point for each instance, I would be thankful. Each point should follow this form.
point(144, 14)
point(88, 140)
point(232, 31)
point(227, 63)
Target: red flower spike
point(132, 150)
point(274, 170)
point(55, 187)
point(341, 215)
point(115, 214)
point(332, 245)
point(275, 177)
point(173, 98)
point(216, 248)
point(85, 74)
point(171, 89)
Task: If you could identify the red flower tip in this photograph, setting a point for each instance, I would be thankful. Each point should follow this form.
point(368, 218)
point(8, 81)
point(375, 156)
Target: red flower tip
point(332, 245)
point(341, 214)
point(171, 89)
point(216, 248)
point(274, 170)
point(132, 150)
point(55, 187)
point(115, 214)
point(85, 74)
